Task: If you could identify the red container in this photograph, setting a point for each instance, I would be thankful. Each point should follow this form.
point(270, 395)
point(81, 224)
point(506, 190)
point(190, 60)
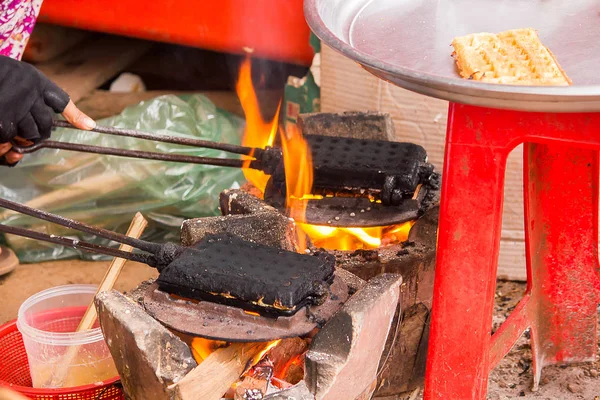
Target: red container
point(275, 29)
point(14, 373)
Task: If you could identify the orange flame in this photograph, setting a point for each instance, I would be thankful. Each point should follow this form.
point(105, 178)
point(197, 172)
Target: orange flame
point(334, 238)
point(298, 166)
point(202, 348)
point(297, 161)
point(259, 356)
point(295, 361)
point(258, 132)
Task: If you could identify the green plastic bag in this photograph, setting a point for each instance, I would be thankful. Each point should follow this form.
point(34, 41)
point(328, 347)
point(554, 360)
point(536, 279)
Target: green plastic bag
point(107, 191)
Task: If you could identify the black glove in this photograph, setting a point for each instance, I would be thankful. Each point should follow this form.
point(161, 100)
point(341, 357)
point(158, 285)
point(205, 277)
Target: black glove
point(28, 101)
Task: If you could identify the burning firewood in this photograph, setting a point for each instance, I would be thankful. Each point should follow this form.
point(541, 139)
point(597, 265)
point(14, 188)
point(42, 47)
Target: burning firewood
point(288, 360)
point(255, 384)
point(221, 369)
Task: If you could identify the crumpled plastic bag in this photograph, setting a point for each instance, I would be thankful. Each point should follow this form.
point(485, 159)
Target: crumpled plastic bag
point(107, 191)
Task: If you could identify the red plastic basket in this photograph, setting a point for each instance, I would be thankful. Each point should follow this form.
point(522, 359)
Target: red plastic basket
point(14, 368)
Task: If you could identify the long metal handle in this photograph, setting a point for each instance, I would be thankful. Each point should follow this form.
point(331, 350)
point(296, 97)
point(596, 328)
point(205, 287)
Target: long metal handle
point(79, 244)
point(111, 151)
point(149, 247)
point(230, 148)
point(256, 153)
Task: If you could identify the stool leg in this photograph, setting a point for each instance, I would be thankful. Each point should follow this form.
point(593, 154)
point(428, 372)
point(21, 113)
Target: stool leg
point(561, 214)
point(465, 277)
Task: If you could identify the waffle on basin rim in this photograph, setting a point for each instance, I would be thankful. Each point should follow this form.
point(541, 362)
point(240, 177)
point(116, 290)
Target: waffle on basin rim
point(514, 57)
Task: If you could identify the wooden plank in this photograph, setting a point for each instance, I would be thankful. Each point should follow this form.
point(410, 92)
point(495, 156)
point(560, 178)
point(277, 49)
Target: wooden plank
point(102, 104)
point(89, 65)
point(49, 41)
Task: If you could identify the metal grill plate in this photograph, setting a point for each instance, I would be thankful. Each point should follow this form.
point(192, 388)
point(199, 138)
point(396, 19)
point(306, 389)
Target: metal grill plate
point(358, 212)
point(221, 322)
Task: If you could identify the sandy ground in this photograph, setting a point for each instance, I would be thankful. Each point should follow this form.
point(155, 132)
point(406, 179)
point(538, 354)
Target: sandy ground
point(512, 378)
point(29, 279)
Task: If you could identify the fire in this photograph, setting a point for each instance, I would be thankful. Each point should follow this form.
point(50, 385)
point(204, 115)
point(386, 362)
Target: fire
point(258, 132)
point(259, 356)
point(202, 348)
point(294, 362)
point(299, 178)
point(297, 161)
point(333, 238)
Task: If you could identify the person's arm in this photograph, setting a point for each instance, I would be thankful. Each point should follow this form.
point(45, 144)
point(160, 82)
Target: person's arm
point(28, 103)
point(28, 100)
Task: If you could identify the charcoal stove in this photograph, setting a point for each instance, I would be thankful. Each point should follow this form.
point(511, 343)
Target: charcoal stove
point(413, 259)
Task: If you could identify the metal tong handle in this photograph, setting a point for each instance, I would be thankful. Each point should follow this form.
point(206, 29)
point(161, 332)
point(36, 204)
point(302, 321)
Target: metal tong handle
point(78, 244)
point(140, 244)
point(249, 151)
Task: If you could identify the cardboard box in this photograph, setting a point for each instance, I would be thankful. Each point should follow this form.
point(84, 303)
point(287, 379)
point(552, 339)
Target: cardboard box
point(345, 86)
point(302, 96)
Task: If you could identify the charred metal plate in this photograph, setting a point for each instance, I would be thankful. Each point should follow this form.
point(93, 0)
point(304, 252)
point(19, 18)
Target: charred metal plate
point(232, 324)
point(226, 269)
point(342, 163)
point(359, 212)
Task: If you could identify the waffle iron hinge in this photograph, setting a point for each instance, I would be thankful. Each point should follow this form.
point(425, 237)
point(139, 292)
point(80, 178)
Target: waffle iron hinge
point(396, 188)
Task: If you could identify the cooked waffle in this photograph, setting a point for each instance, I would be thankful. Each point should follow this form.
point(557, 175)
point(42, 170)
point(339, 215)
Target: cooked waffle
point(515, 57)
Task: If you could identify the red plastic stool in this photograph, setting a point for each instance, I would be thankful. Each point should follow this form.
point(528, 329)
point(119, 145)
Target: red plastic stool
point(561, 237)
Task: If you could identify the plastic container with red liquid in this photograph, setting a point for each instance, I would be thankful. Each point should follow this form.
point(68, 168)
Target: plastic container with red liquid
point(47, 324)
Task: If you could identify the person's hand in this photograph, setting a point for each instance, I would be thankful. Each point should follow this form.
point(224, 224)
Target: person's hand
point(28, 101)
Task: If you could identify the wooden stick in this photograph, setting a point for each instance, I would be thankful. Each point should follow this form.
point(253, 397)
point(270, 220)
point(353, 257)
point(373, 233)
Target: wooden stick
point(138, 224)
point(215, 375)
point(414, 394)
